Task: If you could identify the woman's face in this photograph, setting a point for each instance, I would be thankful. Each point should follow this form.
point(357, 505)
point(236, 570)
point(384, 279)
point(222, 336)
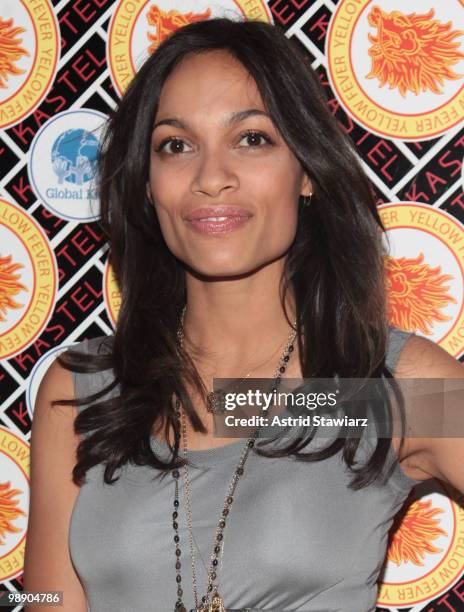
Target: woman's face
point(224, 184)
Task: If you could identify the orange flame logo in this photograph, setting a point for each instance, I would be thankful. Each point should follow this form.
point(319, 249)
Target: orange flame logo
point(10, 50)
point(9, 511)
point(9, 285)
point(168, 22)
point(416, 293)
point(412, 52)
point(412, 533)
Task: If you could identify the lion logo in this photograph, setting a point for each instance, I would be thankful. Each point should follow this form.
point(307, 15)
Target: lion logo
point(412, 534)
point(10, 50)
point(416, 293)
point(167, 22)
point(9, 511)
point(412, 52)
point(9, 285)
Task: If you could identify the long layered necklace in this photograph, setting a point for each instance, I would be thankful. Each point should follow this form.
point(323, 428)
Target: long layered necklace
point(212, 601)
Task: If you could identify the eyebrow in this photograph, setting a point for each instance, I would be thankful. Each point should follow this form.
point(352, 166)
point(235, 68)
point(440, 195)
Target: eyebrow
point(232, 119)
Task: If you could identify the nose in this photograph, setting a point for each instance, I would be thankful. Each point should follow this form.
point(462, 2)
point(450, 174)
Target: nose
point(214, 174)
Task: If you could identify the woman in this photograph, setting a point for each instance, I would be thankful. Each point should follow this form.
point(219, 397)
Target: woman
point(245, 241)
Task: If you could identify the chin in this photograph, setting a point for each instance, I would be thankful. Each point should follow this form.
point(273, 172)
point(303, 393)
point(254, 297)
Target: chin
point(221, 270)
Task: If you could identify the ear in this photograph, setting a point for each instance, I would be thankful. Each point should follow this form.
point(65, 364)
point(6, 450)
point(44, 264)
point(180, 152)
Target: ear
point(148, 191)
point(306, 186)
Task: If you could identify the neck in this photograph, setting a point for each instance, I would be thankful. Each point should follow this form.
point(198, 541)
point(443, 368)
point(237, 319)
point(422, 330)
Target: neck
point(232, 324)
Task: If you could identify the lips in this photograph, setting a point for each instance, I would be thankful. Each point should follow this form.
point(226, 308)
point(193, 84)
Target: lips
point(228, 225)
point(218, 219)
point(215, 213)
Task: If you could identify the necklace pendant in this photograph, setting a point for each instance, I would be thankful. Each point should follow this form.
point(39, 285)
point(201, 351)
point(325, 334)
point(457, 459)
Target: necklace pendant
point(217, 605)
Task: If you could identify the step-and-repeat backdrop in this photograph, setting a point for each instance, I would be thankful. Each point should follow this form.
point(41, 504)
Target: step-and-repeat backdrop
point(393, 72)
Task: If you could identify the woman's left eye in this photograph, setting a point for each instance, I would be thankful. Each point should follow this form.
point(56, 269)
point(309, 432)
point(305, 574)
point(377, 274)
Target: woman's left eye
point(254, 139)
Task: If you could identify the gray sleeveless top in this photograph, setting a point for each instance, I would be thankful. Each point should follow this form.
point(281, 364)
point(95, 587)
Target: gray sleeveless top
point(297, 538)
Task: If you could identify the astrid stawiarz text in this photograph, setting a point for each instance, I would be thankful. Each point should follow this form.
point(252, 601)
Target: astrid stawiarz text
point(300, 421)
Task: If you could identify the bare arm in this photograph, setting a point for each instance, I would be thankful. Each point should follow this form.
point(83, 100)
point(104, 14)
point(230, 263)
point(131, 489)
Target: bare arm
point(48, 565)
point(435, 457)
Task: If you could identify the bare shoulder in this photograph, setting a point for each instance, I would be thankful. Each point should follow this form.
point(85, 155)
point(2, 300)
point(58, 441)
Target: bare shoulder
point(423, 358)
point(48, 566)
point(57, 383)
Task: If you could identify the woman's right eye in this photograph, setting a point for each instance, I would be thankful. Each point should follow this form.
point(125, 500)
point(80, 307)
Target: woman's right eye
point(177, 146)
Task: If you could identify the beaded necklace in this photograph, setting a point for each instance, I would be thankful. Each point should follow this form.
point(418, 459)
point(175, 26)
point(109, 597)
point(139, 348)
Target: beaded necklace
point(212, 600)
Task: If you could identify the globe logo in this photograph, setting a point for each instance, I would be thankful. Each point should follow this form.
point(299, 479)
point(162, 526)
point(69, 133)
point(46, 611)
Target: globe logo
point(62, 165)
point(74, 155)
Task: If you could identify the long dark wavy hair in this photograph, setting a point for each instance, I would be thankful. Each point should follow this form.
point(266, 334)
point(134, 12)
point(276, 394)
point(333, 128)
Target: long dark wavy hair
point(335, 265)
